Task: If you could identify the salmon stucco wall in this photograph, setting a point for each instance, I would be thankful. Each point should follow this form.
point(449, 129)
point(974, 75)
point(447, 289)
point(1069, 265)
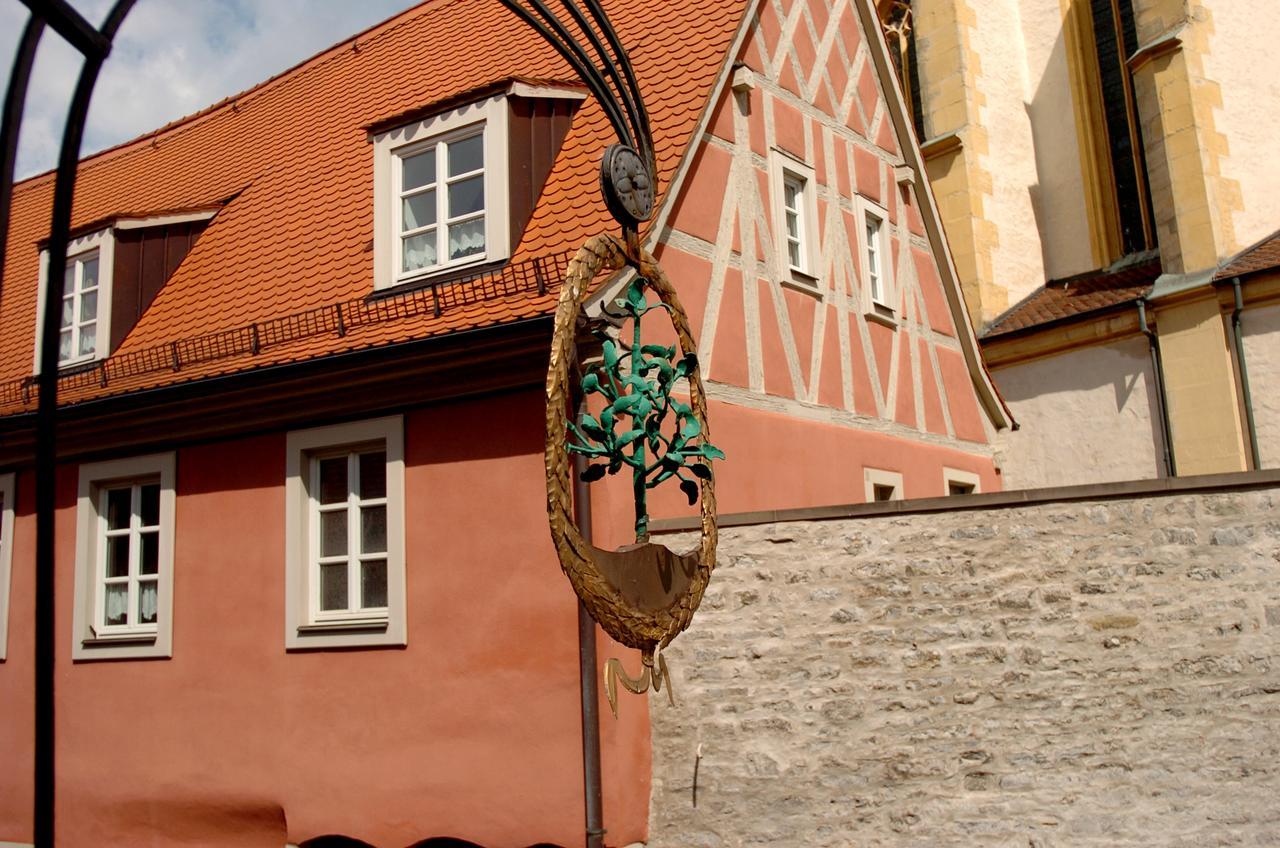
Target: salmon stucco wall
point(472, 730)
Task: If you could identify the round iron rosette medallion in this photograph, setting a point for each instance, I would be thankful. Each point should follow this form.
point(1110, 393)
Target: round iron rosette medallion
point(627, 185)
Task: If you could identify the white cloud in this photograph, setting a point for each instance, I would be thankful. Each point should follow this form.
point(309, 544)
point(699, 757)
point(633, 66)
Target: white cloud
point(171, 58)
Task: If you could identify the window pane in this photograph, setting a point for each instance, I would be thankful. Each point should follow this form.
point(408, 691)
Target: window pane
point(791, 192)
point(373, 475)
point(466, 155)
point(419, 251)
point(147, 598)
point(419, 170)
point(151, 505)
point(333, 480)
point(793, 253)
point(89, 274)
point(68, 312)
point(116, 604)
point(333, 586)
point(793, 225)
point(373, 529)
point(88, 339)
point(333, 533)
point(150, 557)
point(118, 508)
point(64, 345)
point(466, 196)
point(69, 279)
point(466, 239)
point(420, 210)
point(117, 556)
point(89, 307)
point(373, 583)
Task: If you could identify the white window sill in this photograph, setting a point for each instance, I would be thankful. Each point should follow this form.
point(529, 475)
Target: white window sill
point(882, 314)
point(346, 625)
point(802, 282)
point(447, 273)
point(123, 638)
point(78, 361)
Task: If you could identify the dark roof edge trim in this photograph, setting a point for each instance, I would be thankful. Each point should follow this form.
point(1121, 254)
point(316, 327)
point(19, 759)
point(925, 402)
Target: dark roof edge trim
point(515, 86)
point(1157, 487)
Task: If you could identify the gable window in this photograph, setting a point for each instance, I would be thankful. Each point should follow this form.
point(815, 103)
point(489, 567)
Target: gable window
point(796, 211)
point(881, 485)
point(124, 558)
point(440, 193)
point(959, 482)
point(345, 544)
point(7, 495)
point(877, 264)
point(84, 326)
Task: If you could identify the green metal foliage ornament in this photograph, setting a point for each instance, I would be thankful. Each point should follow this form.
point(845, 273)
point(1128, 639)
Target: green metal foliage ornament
point(636, 386)
point(643, 595)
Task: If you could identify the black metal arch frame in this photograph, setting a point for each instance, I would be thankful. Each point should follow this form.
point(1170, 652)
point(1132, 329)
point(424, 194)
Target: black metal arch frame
point(608, 75)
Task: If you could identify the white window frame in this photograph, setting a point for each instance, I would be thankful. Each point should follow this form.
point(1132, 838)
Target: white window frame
point(488, 116)
point(783, 169)
point(872, 477)
point(964, 478)
point(90, 639)
point(306, 627)
point(104, 243)
point(7, 509)
point(876, 306)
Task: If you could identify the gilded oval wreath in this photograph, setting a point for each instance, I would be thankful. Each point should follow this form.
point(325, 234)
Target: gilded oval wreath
point(643, 595)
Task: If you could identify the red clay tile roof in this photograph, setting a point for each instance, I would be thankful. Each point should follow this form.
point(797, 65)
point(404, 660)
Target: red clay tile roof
point(1075, 296)
point(294, 155)
point(1262, 256)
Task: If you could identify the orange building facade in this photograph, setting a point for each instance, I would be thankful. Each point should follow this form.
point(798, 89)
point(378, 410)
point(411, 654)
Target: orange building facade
point(305, 587)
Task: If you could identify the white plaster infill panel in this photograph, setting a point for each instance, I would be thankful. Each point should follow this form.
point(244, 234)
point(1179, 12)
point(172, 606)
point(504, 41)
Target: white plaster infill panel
point(1086, 416)
point(1260, 331)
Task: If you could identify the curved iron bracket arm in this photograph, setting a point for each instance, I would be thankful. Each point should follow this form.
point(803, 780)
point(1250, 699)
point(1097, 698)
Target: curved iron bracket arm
point(628, 168)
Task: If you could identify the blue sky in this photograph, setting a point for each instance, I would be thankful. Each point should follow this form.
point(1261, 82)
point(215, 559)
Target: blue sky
point(171, 58)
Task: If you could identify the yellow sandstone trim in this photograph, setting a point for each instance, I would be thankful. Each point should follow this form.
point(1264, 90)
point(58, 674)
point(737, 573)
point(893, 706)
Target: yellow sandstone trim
point(1096, 170)
point(957, 163)
point(1200, 383)
point(1194, 204)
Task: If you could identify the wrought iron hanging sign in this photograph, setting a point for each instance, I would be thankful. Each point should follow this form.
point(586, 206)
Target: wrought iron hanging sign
point(643, 595)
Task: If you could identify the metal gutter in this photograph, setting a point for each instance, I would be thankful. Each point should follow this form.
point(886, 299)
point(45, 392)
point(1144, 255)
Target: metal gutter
point(592, 783)
point(1157, 366)
point(1246, 396)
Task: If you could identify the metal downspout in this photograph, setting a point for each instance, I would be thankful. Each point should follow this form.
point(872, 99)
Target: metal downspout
point(592, 791)
point(1170, 465)
point(1238, 340)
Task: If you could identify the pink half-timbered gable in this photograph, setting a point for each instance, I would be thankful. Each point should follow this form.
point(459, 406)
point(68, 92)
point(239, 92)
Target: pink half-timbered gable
point(810, 95)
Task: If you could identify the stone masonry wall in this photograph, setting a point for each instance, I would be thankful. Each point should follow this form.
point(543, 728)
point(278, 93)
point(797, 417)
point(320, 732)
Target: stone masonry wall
point(1067, 674)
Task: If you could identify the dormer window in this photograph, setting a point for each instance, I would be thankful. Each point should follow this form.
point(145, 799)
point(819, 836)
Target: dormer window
point(455, 185)
point(111, 276)
point(78, 333)
point(84, 326)
point(442, 202)
point(440, 196)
